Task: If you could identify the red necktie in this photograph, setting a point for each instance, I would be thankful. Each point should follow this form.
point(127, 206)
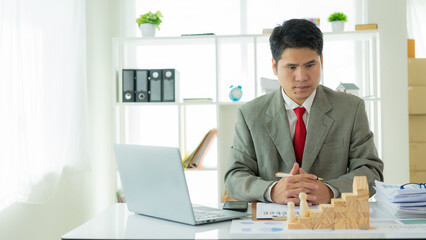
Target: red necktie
point(299, 135)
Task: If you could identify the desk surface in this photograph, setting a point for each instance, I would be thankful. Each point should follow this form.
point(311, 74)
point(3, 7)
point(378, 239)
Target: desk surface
point(117, 222)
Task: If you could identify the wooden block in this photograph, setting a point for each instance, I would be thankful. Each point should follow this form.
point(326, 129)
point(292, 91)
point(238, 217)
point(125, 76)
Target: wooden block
point(351, 204)
point(360, 182)
point(350, 198)
point(340, 225)
point(293, 225)
point(352, 226)
point(339, 219)
point(360, 186)
point(365, 214)
point(305, 223)
point(364, 223)
point(327, 216)
point(363, 206)
point(338, 204)
point(359, 27)
point(316, 218)
point(339, 215)
point(352, 223)
point(363, 193)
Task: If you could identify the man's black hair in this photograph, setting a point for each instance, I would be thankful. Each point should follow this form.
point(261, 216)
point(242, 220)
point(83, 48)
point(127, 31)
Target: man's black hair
point(295, 33)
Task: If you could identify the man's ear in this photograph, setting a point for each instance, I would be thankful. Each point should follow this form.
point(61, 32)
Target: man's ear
point(274, 66)
point(321, 60)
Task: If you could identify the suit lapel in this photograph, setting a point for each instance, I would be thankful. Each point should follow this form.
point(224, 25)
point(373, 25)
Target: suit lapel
point(278, 128)
point(318, 127)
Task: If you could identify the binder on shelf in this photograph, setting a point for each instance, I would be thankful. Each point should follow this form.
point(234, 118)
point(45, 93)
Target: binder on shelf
point(195, 159)
point(128, 85)
point(168, 85)
point(155, 85)
point(142, 85)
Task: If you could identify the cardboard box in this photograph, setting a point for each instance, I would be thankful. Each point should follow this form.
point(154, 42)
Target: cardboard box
point(417, 128)
point(417, 100)
point(411, 48)
point(418, 156)
point(360, 27)
point(418, 176)
point(416, 71)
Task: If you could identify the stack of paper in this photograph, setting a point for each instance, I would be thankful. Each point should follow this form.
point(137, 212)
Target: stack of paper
point(409, 202)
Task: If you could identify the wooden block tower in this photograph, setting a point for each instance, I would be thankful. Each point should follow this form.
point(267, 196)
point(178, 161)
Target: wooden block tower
point(352, 211)
point(360, 189)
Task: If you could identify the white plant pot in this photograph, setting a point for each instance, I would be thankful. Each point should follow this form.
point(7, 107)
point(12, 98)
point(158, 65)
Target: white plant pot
point(338, 26)
point(148, 29)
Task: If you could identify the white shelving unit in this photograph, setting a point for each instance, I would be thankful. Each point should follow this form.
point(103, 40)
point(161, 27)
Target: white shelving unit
point(225, 60)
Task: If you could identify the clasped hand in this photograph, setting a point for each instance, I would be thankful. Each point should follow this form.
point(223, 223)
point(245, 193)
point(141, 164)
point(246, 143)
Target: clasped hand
point(287, 189)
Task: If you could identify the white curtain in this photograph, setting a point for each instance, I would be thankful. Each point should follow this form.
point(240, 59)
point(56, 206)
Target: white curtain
point(43, 97)
point(416, 21)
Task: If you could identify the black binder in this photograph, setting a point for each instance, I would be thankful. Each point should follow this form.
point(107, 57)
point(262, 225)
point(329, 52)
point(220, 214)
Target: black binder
point(128, 85)
point(168, 85)
point(155, 85)
point(142, 85)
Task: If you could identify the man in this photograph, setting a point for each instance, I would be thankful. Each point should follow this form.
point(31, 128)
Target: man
point(304, 129)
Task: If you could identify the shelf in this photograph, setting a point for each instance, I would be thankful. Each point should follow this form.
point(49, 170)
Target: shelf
point(330, 36)
point(368, 98)
point(352, 35)
point(201, 169)
point(176, 103)
point(231, 103)
point(147, 104)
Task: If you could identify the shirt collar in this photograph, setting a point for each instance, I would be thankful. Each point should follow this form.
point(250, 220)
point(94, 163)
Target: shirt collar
point(290, 104)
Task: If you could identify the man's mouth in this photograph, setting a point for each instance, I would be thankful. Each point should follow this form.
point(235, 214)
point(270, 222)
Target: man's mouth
point(302, 87)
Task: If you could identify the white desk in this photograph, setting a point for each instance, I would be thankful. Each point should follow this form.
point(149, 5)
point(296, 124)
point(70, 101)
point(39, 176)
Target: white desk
point(118, 223)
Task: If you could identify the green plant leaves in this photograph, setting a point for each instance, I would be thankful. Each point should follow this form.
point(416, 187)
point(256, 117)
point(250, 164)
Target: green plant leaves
point(150, 18)
point(337, 16)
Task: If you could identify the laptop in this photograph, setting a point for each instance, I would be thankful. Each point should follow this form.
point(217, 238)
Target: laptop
point(154, 185)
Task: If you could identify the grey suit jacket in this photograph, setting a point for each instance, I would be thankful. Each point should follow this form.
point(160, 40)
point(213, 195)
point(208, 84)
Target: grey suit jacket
point(339, 144)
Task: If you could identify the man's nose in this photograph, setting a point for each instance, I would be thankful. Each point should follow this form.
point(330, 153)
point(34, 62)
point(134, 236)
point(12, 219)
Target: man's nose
point(301, 74)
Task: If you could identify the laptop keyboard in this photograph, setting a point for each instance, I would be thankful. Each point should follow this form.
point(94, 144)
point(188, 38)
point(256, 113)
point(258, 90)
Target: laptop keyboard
point(208, 214)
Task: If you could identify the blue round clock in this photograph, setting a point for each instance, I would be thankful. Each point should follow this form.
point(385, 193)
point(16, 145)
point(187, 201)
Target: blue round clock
point(236, 93)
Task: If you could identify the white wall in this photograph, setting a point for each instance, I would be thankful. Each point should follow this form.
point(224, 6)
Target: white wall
point(86, 194)
point(101, 25)
point(390, 15)
point(71, 206)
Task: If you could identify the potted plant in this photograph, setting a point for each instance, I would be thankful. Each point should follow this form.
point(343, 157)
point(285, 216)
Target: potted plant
point(337, 21)
point(149, 22)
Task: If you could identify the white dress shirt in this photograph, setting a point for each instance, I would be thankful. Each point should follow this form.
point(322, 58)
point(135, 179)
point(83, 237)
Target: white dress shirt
point(290, 105)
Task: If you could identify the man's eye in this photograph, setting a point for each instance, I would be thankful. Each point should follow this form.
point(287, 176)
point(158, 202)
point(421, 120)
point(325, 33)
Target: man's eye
point(291, 67)
point(310, 65)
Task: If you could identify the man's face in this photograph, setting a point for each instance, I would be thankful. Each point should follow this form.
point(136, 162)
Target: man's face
point(299, 72)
